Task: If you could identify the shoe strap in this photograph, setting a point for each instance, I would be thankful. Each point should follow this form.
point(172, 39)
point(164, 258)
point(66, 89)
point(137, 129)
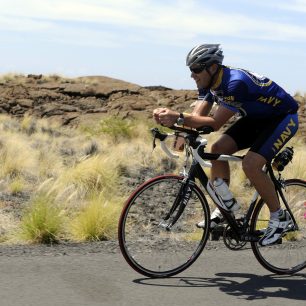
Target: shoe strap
point(277, 223)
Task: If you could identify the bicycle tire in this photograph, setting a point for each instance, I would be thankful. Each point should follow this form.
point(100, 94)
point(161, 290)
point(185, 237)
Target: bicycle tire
point(288, 255)
point(146, 245)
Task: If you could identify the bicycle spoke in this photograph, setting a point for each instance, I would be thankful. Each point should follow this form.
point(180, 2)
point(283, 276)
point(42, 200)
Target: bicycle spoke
point(288, 255)
point(150, 247)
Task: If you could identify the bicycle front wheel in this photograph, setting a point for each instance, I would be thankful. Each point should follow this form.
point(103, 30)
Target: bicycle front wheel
point(288, 255)
point(147, 244)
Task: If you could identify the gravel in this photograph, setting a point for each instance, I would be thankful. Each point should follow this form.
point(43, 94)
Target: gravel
point(60, 249)
point(82, 248)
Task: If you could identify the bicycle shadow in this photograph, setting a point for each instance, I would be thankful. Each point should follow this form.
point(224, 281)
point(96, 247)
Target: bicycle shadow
point(251, 287)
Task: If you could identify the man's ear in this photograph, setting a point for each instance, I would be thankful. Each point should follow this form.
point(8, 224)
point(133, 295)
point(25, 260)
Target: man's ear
point(213, 68)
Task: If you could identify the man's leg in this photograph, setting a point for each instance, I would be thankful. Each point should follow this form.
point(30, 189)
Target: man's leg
point(224, 145)
point(252, 166)
point(280, 220)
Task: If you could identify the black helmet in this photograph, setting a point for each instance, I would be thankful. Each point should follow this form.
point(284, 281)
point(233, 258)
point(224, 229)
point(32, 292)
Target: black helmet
point(205, 54)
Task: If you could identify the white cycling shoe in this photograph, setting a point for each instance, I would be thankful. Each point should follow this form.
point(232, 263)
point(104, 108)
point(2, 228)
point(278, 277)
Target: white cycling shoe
point(276, 228)
point(215, 219)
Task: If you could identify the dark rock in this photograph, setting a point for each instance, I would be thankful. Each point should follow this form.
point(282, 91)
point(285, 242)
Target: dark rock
point(88, 98)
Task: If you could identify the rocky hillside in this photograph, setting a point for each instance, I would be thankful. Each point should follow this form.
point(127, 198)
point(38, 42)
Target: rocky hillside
point(73, 101)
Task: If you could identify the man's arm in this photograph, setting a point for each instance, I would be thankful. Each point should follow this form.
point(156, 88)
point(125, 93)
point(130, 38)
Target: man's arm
point(219, 118)
point(169, 117)
point(202, 108)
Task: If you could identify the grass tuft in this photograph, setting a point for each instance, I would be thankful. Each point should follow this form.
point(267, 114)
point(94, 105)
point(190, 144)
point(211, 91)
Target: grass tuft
point(28, 125)
point(43, 221)
point(90, 175)
point(16, 186)
point(17, 158)
point(97, 220)
point(116, 128)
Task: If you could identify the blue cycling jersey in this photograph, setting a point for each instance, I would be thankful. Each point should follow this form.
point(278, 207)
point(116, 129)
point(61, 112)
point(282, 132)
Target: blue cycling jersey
point(249, 94)
point(257, 99)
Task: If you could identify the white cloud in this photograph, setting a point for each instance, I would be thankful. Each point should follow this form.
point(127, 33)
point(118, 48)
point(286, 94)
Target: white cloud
point(116, 11)
point(293, 5)
point(176, 23)
point(287, 5)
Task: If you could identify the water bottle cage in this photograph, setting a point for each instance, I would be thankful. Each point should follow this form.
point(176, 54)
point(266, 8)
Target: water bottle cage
point(229, 203)
point(283, 158)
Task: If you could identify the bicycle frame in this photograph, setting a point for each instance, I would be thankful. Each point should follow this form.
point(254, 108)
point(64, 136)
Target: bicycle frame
point(156, 222)
point(200, 158)
point(240, 232)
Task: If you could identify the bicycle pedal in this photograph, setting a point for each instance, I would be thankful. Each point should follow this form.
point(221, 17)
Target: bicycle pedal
point(291, 227)
point(279, 241)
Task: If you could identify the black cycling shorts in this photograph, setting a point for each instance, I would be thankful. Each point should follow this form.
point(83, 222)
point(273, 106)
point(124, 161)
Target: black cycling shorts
point(264, 136)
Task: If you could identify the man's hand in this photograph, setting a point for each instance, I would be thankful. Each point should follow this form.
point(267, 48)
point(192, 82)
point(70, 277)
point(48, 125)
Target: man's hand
point(156, 113)
point(165, 116)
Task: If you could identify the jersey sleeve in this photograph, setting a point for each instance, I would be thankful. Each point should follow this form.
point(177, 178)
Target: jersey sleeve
point(236, 94)
point(205, 95)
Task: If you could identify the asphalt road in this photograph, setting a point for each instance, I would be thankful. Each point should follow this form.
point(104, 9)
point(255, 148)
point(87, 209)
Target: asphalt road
point(219, 277)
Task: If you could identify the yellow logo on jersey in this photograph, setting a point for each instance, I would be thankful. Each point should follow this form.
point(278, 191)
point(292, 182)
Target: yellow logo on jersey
point(284, 135)
point(229, 99)
point(271, 100)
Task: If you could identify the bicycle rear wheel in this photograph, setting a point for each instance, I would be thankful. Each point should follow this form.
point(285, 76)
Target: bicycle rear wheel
point(288, 255)
point(147, 245)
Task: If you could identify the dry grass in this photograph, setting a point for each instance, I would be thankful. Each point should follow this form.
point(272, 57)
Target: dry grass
point(80, 173)
point(8, 227)
point(17, 185)
point(90, 175)
point(17, 158)
point(18, 78)
point(8, 77)
point(71, 168)
point(43, 221)
point(97, 220)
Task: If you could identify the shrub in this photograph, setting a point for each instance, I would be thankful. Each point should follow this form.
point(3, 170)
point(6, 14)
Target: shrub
point(90, 175)
point(17, 158)
point(114, 127)
point(28, 125)
point(42, 223)
point(17, 186)
point(97, 220)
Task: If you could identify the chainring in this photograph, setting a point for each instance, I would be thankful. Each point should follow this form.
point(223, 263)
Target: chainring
point(230, 241)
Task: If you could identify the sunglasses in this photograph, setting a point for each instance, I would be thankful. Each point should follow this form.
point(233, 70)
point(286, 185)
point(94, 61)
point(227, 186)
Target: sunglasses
point(198, 69)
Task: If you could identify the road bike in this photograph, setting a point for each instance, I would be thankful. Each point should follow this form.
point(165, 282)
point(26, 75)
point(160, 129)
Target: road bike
point(158, 233)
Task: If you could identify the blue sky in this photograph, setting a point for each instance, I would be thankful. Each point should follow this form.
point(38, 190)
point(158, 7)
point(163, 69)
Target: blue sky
point(146, 41)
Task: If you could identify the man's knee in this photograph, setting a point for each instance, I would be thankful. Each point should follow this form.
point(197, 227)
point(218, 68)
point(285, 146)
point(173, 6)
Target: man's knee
point(247, 166)
point(252, 163)
point(217, 147)
point(224, 145)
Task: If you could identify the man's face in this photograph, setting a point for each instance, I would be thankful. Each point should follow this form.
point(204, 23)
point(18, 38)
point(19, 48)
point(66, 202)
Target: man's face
point(200, 76)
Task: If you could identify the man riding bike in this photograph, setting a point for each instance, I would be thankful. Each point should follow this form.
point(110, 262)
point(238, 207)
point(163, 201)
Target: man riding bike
point(268, 121)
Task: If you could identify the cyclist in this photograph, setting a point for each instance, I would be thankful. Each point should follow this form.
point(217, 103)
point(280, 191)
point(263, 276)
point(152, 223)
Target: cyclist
point(268, 120)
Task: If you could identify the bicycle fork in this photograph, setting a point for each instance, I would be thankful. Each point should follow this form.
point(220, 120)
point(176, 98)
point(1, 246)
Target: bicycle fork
point(179, 204)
